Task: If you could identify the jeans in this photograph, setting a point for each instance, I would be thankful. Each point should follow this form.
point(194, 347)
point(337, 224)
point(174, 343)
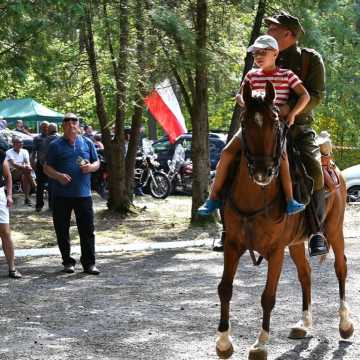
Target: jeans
point(82, 206)
point(41, 180)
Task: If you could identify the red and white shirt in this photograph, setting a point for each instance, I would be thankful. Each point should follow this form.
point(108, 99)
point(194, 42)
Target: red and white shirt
point(282, 79)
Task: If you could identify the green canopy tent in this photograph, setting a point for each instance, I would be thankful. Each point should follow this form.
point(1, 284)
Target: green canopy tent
point(28, 110)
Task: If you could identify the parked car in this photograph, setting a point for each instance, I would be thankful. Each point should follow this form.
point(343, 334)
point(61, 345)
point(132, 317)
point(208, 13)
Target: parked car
point(165, 150)
point(352, 179)
point(6, 136)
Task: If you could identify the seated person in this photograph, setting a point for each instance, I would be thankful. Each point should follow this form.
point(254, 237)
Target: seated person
point(20, 167)
point(265, 51)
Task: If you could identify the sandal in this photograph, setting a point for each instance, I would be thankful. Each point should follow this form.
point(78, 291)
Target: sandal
point(14, 274)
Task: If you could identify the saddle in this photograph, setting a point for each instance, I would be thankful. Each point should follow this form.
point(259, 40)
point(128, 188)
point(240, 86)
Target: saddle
point(302, 182)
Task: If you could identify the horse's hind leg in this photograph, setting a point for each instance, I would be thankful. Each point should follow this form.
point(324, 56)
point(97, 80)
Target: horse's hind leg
point(301, 329)
point(232, 253)
point(258, 349)
point(346, 327)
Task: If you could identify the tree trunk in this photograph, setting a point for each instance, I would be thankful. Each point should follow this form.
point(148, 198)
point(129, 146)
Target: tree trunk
point(235, 119)
point(199, 116)
point(118, 197)
point(139, 96)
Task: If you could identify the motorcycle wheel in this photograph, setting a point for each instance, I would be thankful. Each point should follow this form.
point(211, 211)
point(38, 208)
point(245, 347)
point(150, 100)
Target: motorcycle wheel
point(162, 188)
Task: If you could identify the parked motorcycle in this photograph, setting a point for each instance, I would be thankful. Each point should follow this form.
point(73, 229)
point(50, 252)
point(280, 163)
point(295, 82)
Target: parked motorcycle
point(180, 176)
point(148, 176)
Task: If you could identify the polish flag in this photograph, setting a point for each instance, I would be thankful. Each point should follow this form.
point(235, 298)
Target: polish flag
point(164, 107)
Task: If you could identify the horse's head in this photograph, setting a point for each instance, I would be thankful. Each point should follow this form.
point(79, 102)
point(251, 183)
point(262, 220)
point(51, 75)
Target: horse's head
point(261, 133)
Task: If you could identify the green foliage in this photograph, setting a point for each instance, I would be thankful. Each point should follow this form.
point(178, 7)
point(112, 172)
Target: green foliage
point(346, 157)
point(42, 54)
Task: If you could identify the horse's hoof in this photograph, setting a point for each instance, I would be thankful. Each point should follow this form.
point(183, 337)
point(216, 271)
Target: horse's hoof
point(257, 354)
point(225, 354)
point(297, 333)
point(345, 334)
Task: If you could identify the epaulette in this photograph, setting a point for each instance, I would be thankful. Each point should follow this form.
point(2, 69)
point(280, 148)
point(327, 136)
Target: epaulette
point(310, 51)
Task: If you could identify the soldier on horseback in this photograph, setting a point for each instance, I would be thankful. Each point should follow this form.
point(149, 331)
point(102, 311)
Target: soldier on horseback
point(309, 66)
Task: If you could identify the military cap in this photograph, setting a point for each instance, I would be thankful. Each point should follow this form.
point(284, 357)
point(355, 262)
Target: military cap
point(290, 22)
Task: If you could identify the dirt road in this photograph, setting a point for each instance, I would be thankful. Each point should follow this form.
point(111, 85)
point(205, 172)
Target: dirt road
point(164, 305)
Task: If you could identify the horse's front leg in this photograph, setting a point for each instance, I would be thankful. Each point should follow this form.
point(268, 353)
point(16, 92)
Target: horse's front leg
point(232, 253)
point(258, 349)
point(302, 328)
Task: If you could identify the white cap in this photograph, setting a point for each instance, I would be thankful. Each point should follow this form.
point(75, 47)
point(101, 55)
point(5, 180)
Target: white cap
point(264, 42)
point(322, 138)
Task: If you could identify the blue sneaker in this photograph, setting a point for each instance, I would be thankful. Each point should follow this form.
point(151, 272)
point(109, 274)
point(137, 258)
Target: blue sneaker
point(209, 207)
point(294, 207)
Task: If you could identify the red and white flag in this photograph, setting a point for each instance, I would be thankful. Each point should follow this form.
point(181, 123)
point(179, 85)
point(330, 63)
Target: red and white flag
point(164, 107)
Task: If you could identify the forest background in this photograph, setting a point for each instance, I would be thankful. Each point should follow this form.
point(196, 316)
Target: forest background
point(100, 58)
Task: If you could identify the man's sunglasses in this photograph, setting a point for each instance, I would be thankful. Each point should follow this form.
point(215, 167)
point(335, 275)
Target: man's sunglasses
point(74, 120)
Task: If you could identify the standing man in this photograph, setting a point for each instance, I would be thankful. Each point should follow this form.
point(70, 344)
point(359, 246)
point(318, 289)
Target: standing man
point(38, 157)
point(70, 161)
point(309, 66)
point(19, 161)
point(89, 132)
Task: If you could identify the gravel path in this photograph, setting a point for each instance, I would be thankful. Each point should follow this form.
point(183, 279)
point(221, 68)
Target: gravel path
point(164, 305)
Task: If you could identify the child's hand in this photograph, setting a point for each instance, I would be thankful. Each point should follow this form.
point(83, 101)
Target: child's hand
point(290, 119)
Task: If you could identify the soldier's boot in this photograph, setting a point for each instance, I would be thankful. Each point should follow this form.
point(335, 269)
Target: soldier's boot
point(317, 243)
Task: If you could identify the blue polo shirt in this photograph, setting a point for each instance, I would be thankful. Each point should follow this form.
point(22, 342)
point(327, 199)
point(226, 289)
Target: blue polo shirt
point(63, 156)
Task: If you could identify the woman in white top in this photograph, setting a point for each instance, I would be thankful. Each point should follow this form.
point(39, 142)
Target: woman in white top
point(6, 202)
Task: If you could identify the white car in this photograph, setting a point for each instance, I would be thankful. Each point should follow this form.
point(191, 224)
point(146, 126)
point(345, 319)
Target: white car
point(352, 179)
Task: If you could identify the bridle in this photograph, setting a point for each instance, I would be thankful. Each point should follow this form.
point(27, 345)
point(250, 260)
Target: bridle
point(254, 161)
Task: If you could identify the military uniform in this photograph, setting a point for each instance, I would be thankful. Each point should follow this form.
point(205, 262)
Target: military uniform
point(308, 65)
point(301, 132)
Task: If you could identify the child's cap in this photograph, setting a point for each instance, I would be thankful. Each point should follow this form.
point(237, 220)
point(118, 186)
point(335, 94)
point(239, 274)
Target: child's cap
point(264, 42)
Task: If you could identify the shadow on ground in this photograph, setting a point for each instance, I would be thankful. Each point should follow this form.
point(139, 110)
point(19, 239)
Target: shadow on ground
point(162, 305)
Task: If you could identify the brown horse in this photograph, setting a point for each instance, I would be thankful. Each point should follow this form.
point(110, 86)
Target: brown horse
point(254, 218)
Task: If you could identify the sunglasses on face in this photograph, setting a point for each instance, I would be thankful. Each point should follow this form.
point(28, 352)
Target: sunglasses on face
point(73, 120)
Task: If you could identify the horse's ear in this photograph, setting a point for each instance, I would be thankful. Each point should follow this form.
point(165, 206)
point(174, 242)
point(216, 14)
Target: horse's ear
point(247, 93)
point(269, 92)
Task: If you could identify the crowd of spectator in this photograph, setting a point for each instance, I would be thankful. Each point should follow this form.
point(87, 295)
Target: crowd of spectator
point(63, 165)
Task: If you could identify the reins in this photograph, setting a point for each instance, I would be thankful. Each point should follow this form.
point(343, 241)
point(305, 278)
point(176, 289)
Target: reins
point(248, 217)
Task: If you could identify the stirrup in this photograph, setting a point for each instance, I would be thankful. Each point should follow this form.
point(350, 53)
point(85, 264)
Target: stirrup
point(318, 244)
